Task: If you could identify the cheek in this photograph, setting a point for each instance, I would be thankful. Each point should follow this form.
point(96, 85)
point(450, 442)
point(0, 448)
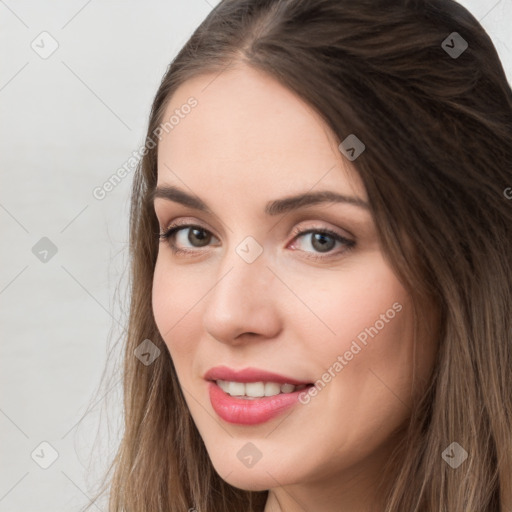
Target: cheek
point(363, 297)
point(367, 330)
point(164, 295)
point(175, 294)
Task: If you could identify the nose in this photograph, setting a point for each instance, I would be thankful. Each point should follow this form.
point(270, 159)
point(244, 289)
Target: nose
point(242, 305)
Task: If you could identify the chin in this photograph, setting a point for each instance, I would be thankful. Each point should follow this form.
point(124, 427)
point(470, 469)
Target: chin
point(257, 478)
point(250, 481)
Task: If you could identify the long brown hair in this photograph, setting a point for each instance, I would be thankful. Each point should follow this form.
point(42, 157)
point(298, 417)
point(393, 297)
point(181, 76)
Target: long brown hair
point(437, 127)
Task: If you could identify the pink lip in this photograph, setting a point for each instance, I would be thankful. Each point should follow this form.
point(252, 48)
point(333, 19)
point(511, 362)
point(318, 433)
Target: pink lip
point(249, 412)
point(244, 411)
point(249, 375)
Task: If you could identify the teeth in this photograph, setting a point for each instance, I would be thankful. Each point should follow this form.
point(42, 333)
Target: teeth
point(236, 388)
point(287, 388)
point(272, 389)
point(256, 389)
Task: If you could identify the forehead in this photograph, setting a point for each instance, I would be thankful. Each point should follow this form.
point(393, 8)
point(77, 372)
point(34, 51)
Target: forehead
point(249, 130)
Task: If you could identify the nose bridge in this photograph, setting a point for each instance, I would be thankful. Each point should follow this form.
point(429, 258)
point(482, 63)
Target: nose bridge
point(242, 298)
point(245, 269)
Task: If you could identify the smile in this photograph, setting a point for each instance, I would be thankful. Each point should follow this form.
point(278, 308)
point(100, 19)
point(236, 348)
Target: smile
point(251, 390)
point(251, 396)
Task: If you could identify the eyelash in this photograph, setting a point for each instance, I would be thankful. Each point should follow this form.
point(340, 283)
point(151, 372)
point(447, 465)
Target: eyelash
point(174, 228)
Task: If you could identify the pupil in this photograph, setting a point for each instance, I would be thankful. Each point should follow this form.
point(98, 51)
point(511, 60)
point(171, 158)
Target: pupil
point(324, 246)
point(201, 238)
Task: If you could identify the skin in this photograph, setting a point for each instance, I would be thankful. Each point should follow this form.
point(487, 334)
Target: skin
point(250, 140)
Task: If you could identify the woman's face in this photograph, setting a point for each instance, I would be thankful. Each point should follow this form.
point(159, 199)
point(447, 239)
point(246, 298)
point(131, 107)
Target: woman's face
point(253, 295)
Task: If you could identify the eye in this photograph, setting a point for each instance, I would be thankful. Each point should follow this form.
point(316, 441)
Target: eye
point(322, 241)
point(197, 236)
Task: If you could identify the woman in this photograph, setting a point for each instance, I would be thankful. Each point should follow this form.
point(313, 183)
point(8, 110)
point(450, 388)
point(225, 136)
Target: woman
point(320, 245)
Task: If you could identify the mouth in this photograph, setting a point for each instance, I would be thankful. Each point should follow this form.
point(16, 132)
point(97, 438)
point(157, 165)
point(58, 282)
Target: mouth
point(251, 396)
point(255, 390)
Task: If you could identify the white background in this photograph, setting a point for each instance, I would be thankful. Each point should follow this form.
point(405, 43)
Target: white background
point(67, 123)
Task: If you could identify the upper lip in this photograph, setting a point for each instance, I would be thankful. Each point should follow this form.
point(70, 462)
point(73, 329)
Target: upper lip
point(249, 375)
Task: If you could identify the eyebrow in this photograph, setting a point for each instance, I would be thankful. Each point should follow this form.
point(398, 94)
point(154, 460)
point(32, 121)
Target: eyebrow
point(275, 207)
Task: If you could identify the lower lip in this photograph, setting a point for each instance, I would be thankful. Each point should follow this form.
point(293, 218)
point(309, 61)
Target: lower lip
point(253, 411)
